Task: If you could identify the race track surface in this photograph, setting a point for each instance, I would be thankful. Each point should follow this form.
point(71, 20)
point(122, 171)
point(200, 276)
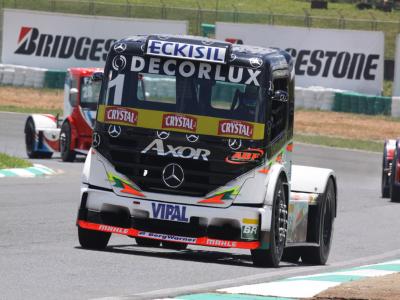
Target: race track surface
point(41, 258)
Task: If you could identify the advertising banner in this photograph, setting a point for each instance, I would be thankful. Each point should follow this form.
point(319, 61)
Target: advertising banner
point(396, 82)
point(342, 59)
point(60, 41)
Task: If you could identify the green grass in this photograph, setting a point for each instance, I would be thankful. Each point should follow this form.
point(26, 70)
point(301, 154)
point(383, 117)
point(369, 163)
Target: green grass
point(278, 12)
point(29, 110)
point(373, 146)
point(7, 162)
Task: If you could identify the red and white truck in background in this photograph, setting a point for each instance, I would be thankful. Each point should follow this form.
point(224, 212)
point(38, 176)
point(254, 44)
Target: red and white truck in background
point(71, 135)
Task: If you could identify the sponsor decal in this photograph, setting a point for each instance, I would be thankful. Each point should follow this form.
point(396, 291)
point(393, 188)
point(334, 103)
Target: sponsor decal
point(327, 63)
point(179, 151)
point(205, 125)
point(125, 186)
point(162, 134)
point(119, 47)
point(249, 232)
point(170, 212)
point(113, 229)
point(96, 140)
point(173, 176)
point(201, 70)
point(246, 156)
point(167, 237)
point(235, 128)
point(32, 42)
point(221, 243)
point(235, 144)
point(114, 131)
point(178, 121)
point(121, 115)
point(256, 62)
point(187, 51)
point(192, 138)
point(221, 197)
point(119, 63)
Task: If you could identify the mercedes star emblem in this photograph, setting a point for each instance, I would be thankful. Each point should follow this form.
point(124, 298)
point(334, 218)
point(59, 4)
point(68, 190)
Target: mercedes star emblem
point(114, 131)
point(256, 62)
point(192, 138)
point(173, 175)
point(162, 134)
point(96, 140)
point(119, 47)
point(235, 144)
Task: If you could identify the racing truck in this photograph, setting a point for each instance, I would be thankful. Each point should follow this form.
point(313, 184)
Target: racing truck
point(390, 186)
point(71, 135)
point(193, 146)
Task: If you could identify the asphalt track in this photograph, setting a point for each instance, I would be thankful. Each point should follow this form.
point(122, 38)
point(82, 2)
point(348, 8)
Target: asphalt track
point(40, 257)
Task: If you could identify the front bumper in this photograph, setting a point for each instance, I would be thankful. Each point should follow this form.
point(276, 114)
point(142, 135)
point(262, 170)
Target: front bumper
point(232, 227)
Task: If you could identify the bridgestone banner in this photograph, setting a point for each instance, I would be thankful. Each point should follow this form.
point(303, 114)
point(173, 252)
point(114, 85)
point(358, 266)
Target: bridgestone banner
point(343, 59)
point(59, 41)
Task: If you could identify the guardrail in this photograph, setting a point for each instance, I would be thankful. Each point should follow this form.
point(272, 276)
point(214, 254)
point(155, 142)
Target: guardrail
point(31, 77)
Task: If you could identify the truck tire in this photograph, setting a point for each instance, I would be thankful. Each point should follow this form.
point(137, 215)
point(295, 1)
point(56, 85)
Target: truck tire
point(291, 254)
point(91, 239)
point(174, 246)
point(30, 141)
point(385, 186)
point(326, 216)
point(271, 257)
point(394, 188)
point(67, 154)
point(147, 242)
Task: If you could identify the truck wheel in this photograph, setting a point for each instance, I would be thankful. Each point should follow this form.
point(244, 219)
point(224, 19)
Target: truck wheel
point(65, 143)
point(326, 216)
point(30, 141)
point(147, 242)
point(271, 257)
point(385, 186)
point(394, 188)
point(291, 254)
point(174, 246)
point(91, 239)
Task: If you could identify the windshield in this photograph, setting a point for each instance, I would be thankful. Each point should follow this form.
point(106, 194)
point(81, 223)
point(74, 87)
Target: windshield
point(90, 91)
point(190, 95)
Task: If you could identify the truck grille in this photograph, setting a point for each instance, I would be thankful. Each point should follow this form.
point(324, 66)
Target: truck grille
point(145, 169)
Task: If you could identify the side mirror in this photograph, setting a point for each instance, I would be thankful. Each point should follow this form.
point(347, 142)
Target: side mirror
point(281, 96)
point(97, 76)
point(73, 96)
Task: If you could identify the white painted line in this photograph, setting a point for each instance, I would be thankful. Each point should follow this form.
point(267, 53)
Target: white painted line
point(393, 262)
point(365, 273)
point(289, 289)
point(22, 173)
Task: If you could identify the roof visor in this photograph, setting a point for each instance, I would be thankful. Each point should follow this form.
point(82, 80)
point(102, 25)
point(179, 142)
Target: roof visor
point(189, 50)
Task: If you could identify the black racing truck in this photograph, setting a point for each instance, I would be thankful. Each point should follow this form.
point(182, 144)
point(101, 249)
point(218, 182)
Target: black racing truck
point(193, 146)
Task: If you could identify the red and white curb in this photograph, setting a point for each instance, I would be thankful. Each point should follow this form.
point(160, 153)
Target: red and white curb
point(35, 171)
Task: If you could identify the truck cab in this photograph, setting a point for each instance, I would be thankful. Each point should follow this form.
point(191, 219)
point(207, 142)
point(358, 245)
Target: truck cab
point(72, 134)
point(193, 146)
